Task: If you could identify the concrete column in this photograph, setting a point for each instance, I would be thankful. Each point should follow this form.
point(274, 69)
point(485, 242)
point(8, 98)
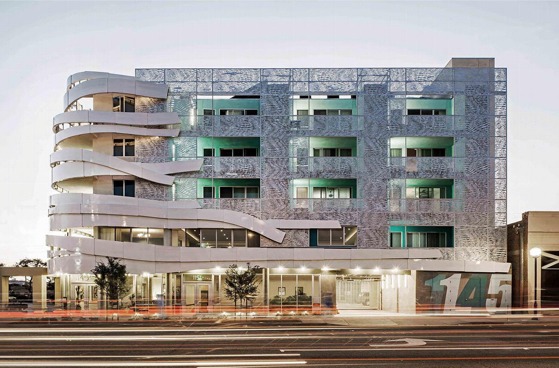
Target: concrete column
point(39, 292)
point(57, 290)
point(167, 237)
point(169, 293)
point(4, 289)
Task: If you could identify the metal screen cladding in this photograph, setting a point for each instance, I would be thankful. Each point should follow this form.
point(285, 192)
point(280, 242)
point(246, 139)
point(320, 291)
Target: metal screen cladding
point(394, 117)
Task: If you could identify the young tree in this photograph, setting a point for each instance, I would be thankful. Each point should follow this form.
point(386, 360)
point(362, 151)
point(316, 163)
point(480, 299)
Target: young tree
point(241, 284)
point(110, 277)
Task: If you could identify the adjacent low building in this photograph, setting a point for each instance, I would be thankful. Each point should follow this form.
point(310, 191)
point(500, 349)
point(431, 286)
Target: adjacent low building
point(533, 251)
point(375, 188)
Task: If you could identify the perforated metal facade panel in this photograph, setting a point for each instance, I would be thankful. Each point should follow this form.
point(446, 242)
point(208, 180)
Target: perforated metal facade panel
point(476, 121)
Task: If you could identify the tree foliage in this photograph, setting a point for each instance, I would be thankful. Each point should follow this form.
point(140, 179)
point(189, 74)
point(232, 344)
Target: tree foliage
point(31, 262)
point(110, 277)
point(240, 284)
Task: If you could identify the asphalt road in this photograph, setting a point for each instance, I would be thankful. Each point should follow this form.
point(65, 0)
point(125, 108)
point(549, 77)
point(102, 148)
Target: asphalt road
point(520, 344)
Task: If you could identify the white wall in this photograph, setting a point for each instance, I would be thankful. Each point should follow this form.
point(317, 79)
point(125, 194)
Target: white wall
point(398, 294)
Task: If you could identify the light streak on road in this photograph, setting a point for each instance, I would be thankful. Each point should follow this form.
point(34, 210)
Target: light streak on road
point(403, 347)
point(167, 356)
point(407, 342)
point(205, 363)
point(24, 330)
point(163, 338)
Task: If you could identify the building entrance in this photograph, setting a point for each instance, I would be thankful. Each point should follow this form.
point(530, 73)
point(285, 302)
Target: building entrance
point(85, 296)
point(361, 292)
point(197, 295)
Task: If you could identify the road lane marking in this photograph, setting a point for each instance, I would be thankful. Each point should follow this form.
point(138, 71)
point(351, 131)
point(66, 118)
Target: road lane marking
point(407, 342)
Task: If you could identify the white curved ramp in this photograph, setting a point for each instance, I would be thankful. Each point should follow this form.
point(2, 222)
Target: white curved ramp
point(72, 163)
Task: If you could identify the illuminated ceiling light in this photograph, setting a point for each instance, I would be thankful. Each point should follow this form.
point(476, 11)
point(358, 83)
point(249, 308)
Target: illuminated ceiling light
point(217, 268)
point(357, 269)
point(395, 270)
point(325, 268)
point(303, 268)
point(281, 268)
point(376, 270)
point(145, 274)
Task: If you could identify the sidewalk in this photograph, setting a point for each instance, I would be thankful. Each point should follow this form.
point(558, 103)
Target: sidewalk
point(345, 318)
point(372, 319)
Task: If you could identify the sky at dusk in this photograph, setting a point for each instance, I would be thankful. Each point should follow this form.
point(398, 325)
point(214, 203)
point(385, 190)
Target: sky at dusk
point(44, 42)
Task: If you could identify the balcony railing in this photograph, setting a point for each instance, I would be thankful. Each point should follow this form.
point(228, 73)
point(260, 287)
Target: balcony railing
point(425, 165)
point(325, 204)
point(250, 206)
point(426, 123)
point(242, 125)
point(325, 166)
point(430, 205)
point(234, 167)
point(343, 123)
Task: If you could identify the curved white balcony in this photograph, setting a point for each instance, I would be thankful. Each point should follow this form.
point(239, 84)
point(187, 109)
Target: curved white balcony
point(88, 210)
point(74, 163)
point(79, 77)
point(98, 129)
point(113, 84)
point(143, 119)
point(79, 255)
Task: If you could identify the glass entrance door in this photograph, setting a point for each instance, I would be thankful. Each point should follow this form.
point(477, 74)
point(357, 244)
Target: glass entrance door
point(196, 295)
point(85, 296)
point(358, 293)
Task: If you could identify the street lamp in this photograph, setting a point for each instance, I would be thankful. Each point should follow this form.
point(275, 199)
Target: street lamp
point(535, 253)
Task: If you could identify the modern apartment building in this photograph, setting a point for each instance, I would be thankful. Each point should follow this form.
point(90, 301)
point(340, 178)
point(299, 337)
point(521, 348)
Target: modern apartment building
point(375, 188)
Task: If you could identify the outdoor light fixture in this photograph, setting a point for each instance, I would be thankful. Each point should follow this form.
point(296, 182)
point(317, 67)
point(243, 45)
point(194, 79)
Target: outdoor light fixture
point(535, 253)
